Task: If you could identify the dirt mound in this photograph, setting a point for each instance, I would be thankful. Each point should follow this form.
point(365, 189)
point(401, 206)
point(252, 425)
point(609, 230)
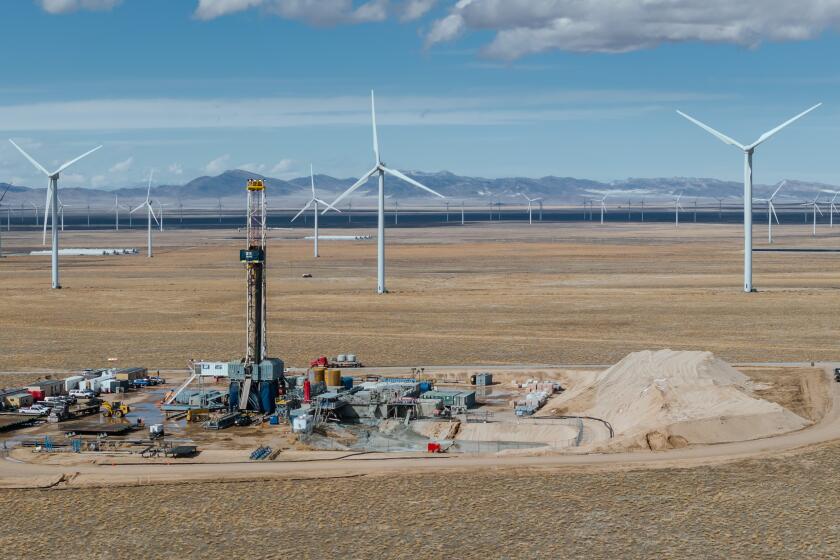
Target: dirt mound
point(665, 399)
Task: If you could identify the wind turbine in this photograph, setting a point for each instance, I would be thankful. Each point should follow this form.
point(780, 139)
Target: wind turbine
point(381, 170)
point(816, 207)
point(150, 213)
point(160, 209)
point(530, 209)
point(396, 212)
point(643, 210)
point(447, 211)
point(462, 212)
point(748, 150)
point(603, 208)
point(220, 210)
point(116, 208)
point(677, 208)
point(314, 202)
point(35, 207)
point(771, 211)
point(832, 209)
point(52, 202)
point(541, 209)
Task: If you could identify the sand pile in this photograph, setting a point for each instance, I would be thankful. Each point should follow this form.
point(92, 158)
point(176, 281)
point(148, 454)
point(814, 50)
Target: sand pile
point(662, 399)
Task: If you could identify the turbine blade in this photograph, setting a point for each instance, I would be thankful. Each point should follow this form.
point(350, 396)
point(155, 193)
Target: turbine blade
point(782, 184)
point(138, 208)
point(4, 193)
point(149, 189)
point(773, 209)
point(327, 204)
point(767, 135)
point(152, 212)
point(312, 179)
point(719, 135)
point(30, 158)
point(373, 121)
point(410, 181)
point(72, 161)
point(364, 178)
point(302, 210)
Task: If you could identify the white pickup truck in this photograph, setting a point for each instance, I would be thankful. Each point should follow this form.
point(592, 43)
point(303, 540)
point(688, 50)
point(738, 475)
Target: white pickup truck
point(35, 410)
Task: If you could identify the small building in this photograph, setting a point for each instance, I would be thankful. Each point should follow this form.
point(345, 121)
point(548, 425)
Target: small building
point(17, 399)
point(483, 379)
point(130, 374)
point(212, 369)
point(458, 399)
point(47, 388)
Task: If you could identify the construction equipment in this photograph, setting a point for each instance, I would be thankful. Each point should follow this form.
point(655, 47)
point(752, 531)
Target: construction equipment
point(117, 409)
point(340, 361)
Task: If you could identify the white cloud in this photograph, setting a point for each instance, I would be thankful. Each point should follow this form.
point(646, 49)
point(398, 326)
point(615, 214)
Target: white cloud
point(176, 169)
point(67, 6)
point(281, 112)
point(415, 9)
point(252, 167)
point(524, 26)
point(217, 165)
point(317, 12)
point(98, 181)
point(284, 166)
point(122, 166)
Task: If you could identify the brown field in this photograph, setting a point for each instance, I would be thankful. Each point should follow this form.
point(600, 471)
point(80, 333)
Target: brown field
point(774, 508)
point(483, 294)
point(552, 294)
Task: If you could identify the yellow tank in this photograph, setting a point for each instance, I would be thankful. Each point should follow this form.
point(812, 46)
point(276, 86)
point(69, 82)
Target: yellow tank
point(319, 374)
point(333, 377)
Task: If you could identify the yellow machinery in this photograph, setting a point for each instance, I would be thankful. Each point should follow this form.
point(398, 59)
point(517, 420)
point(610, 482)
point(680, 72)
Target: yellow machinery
point(116, 409)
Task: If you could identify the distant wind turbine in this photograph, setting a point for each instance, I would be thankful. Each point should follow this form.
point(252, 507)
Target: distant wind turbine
point(603, 208)
point(771, 211)
point(530, 208)
point(832, 209)
point(313, 203)
point(381, 170)
point(677, 208)
point(150, 213)
point(51, 205)
point(816, 208)
point(748, 150)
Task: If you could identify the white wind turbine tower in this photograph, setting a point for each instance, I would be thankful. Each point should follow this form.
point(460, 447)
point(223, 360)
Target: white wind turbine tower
point(832, 209)
point(771, 211)
point(677, 208)
point(314, 202)
point(748, 150)
point(35, 207)
point(816, 207)
point(530, 207)
point(116, 209)
point(51, 205)
point(381, 170)
point(603, 208)
point(150, 213)
point(160, 209)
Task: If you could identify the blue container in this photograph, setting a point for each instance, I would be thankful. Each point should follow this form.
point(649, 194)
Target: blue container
point(347, 382)
point(274, 420)
point(425, 386)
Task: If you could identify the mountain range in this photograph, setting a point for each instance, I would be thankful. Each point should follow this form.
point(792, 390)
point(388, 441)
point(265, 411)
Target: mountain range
point(229, 189)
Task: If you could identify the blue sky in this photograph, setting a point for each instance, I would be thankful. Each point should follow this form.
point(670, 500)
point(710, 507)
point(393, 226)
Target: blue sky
point(473, 87)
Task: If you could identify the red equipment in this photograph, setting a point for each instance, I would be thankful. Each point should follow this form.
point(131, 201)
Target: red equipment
point(307, 391)
point(323, 361)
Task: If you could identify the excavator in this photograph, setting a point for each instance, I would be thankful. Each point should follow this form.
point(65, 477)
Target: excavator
point(117, 409)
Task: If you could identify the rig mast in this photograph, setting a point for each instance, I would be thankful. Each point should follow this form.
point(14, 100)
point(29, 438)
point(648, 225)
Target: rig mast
point(254, 259)
point(256, 381)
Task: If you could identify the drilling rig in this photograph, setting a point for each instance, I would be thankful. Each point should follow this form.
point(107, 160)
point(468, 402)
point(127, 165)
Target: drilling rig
point(256, 381)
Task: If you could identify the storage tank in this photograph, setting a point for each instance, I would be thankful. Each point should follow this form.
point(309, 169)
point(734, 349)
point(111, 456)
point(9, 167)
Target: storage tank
point(333, 377)
point(72, 382)
point(319, 374)
point(351, 357)
point(341, 358)
point(347, 382)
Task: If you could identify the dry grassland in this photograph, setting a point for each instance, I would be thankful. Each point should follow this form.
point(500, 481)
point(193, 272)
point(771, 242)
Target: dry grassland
point(776, 508)
point(481, 294)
